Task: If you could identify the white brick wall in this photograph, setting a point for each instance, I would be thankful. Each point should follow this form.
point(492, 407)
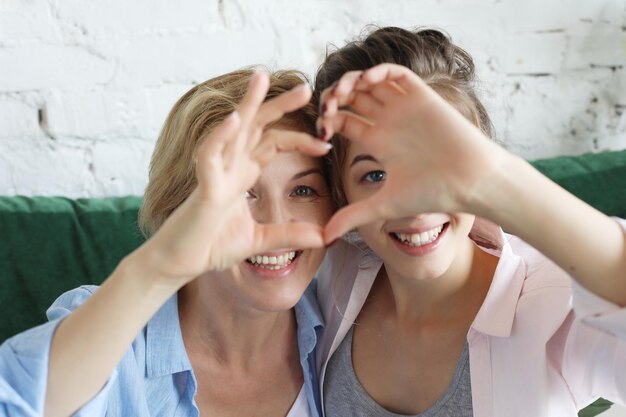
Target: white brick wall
point(85, 85)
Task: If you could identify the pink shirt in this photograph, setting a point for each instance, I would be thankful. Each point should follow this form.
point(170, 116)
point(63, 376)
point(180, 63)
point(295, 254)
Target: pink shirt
point(540, 345)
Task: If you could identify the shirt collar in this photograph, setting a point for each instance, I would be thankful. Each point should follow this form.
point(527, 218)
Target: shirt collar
point(309, 321)
point(165, 350)
point(497, 313)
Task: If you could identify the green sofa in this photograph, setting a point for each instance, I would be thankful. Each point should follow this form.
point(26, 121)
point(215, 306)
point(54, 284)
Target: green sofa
point(50, 245)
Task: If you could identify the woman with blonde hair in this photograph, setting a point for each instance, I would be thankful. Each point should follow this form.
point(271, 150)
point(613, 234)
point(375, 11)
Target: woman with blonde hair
point(211, 315)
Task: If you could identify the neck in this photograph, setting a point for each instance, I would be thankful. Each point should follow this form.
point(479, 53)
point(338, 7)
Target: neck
point(216, 325)
point(464, 284)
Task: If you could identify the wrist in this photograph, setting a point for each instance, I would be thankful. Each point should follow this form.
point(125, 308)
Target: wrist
point(492, 189)
point(141, 267)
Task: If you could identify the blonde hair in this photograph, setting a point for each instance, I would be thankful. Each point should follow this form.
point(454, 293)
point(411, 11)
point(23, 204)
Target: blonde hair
point(172, 168)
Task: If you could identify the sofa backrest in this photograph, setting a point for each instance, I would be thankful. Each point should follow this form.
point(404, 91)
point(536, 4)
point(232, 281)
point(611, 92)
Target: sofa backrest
point(49, 245)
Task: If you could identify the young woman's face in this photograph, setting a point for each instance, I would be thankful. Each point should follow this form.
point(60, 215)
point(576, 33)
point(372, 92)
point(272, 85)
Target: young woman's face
point(420, 247)
point(292, 188)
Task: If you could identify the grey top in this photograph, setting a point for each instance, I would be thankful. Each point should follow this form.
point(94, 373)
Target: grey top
point(344, 396)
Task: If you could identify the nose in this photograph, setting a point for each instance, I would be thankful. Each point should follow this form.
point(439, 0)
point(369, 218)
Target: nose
point(272, 210)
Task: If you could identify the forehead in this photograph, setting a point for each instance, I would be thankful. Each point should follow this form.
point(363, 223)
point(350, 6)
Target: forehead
point(353, 149)
point(287, 164)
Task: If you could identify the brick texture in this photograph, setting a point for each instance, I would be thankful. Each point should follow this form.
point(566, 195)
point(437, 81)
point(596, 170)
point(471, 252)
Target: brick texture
point(86, 85)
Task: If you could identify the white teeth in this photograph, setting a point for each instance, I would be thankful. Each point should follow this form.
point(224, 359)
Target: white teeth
point(273, 262)
point(420, 239)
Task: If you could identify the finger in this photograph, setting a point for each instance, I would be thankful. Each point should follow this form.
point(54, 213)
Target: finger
point(274, 109)
point(254, 97)
point(276, 141)
point(404, 77)
point(347, 123)
point(248, 108)
point(387, 91)
point(298, 235)
point(360, 99)
point(334, 104)
point(329, 107)
point(339, 88)
point(353, 216)
point(210, 151)
point(347, 83)
point(366, 104)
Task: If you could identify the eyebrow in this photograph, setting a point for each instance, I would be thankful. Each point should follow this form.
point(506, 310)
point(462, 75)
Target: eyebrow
point(362, 157)
point(307, 172)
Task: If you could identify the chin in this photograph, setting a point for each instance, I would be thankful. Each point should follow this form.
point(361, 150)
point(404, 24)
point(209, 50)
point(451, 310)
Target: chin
point(278, 284)
point(278, 300)
point(423, 271)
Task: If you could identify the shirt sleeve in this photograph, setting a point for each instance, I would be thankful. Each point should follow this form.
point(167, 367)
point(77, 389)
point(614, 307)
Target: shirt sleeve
point(595, 349)
point(24, 362)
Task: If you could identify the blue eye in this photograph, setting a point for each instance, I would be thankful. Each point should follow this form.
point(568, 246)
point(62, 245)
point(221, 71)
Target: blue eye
point(304, 191)
point(374, 176)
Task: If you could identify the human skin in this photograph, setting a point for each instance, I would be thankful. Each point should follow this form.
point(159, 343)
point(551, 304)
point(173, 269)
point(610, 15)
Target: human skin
point(439, 162)
point(213, 230)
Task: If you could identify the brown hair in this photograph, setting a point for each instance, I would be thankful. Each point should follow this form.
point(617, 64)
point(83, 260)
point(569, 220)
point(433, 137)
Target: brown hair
point(172, 168)
point(444, 66)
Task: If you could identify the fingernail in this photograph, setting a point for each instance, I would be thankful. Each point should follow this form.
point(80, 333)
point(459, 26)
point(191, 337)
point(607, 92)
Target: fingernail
point(332, 243)
point(322, 134)
point(328, 145)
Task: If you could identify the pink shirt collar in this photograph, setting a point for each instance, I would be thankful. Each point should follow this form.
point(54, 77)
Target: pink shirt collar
point(496, 315)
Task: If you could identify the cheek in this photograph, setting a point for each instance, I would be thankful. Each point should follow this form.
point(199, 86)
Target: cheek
point(351, 191)
point(317, 213)
point(372, 234)
point(464, 223)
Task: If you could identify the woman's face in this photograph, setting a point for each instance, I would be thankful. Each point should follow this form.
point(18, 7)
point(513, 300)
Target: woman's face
point(420, 247)
point(292, 188)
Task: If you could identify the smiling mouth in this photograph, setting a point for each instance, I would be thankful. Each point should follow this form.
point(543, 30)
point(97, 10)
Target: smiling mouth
point(274, 262)
point(416, 240)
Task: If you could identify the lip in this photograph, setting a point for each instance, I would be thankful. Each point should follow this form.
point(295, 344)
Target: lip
point(274, 274)
point(420, 250)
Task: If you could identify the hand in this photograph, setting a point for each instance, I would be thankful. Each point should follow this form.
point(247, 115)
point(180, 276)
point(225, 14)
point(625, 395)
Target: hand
point(434, 158)
point(213, 228)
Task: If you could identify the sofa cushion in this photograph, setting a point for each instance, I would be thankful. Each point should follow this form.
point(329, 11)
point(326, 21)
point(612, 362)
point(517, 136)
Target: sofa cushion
point(49, 245)
point(599, 179)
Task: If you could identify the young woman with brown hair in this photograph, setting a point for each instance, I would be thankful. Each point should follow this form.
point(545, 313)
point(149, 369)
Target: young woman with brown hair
point(430, 309)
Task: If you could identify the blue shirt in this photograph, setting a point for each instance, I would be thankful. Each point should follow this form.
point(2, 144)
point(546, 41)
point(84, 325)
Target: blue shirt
point(154, 378)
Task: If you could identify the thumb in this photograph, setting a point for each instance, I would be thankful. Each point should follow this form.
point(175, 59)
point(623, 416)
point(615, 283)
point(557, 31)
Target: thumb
point(352, 216)
point(287, 235)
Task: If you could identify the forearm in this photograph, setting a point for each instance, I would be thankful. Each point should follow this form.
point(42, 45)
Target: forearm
point(587, 244)
point(90, 342)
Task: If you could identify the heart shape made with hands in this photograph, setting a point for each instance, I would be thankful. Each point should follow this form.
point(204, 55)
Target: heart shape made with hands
point(434, 158)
